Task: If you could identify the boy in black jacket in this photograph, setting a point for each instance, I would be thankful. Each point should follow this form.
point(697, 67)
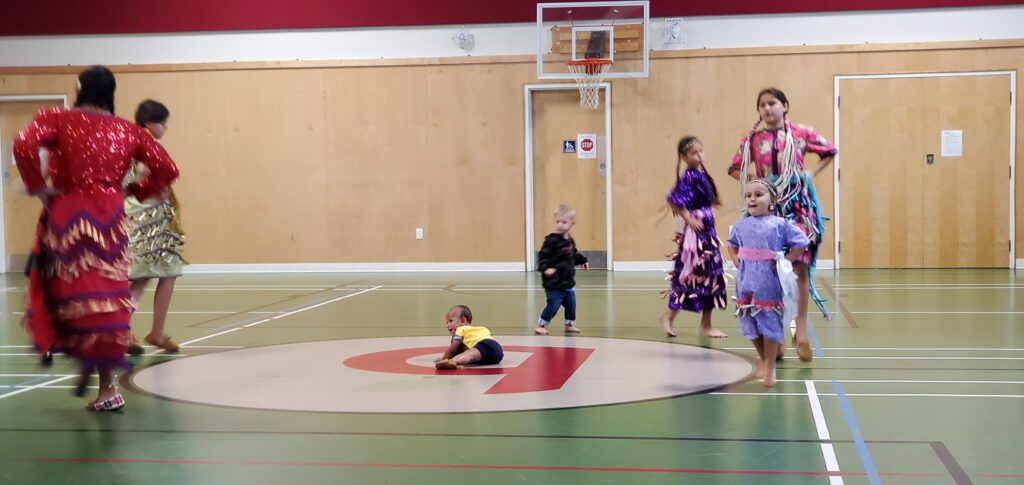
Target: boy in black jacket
point(557, 266)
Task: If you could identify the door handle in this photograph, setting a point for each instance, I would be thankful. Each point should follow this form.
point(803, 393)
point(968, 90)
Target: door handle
point(930, 158)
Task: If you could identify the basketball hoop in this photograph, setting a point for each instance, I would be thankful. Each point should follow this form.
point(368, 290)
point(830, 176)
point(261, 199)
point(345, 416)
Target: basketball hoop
point(588, 74)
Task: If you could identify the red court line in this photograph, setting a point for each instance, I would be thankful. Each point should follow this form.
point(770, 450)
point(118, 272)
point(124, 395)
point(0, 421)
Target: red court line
point(997, 475)
point(696, 471)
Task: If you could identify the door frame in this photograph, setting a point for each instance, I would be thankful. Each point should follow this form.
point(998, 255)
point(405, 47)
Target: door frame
point(1013, 142)
point(528, 89)
point(12, 99)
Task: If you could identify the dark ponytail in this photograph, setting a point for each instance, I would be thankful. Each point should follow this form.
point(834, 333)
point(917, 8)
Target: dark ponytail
point(96, 88)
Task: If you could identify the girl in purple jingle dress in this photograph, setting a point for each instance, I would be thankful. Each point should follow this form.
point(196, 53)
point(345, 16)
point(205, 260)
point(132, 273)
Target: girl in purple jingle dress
point(698, 283)
point(754, 245)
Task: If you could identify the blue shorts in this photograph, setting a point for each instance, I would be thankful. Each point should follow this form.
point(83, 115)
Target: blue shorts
point(490, 351)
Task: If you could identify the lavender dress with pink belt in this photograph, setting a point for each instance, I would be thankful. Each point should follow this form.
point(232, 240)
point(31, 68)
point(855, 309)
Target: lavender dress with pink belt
point(698, 283)
point(758, 290)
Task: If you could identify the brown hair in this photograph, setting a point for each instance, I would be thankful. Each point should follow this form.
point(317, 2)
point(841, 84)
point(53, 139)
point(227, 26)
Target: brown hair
point(685, 143)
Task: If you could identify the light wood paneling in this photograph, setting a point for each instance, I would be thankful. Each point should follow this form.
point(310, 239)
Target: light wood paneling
point(340, 161)
point(251, 153)
point(20, 211)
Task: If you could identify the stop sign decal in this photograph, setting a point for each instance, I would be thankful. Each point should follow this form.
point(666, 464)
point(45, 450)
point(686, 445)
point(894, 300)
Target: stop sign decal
point(587, 144)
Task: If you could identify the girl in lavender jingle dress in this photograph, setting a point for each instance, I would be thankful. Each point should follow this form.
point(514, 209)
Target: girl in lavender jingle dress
point(756, 241)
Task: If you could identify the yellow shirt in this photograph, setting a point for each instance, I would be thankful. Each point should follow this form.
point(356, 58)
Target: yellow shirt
point(471, 335)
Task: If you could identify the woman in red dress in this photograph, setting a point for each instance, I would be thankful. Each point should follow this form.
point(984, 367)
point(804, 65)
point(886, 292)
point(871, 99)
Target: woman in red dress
point(80, 302)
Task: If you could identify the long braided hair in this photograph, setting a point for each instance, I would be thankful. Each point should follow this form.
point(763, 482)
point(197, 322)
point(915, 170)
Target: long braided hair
point(789, 182)
point(685, 143)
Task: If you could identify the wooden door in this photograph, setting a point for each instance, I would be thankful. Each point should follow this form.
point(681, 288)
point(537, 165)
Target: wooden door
point(564, 178)
point(897, 209)
point(967, 198)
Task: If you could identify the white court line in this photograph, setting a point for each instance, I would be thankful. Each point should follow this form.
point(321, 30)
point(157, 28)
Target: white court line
point(212, 346)
point(961, 312)
point(29, 388)
point(612, 288)
point(291, 287)
point(190, 346)
point(211, 336)
point(914, 349)
point(770, 394)
point(901, 357)
point(899, 381)
point(282, 315)
point(937, 349)
point(929, 288)
point(194, 288)
point(37, 375)
point(268, 288)
point(940, 285)
point(46, 387)
point(1012, 396)
point(36, 354)
point(827, 451)
point(210, 312)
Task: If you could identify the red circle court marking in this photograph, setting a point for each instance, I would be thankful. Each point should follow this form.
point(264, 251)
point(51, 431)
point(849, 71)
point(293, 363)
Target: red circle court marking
point(546, 369)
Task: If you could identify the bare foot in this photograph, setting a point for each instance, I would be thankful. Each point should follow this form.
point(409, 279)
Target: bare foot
point(540, 330)
point(803, 349)
point(446, 364)
point(769, 380)
point(759, 373)
point(666, 323)
point(712, 332)
point(572, 329)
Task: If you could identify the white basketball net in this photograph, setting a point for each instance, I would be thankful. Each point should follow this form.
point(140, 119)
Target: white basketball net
point(588, 77)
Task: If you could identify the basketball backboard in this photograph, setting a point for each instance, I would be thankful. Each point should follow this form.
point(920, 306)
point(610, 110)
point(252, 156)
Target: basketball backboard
point(574, 31)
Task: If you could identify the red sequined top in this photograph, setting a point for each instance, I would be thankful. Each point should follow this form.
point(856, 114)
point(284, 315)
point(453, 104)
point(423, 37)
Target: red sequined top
point(89, 153)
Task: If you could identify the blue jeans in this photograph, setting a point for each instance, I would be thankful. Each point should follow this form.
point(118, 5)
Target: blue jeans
point(558, 298)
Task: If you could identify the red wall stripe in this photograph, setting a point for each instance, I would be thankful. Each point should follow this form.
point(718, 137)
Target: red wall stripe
point(72, 17)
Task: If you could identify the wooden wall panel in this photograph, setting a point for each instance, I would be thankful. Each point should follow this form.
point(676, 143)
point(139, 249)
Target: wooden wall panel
point(325, 163)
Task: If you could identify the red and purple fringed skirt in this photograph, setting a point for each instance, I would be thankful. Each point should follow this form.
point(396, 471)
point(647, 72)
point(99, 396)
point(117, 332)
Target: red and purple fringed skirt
point(79, 302)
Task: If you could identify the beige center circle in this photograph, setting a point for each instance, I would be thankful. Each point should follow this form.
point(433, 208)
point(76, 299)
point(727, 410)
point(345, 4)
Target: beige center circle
point(311, 376)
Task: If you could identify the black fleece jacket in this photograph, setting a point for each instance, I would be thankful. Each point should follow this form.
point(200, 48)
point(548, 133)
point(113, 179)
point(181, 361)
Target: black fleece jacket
point(559, 252)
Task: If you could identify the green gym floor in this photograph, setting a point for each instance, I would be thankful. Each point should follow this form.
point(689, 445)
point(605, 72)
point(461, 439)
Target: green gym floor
point(918, 378)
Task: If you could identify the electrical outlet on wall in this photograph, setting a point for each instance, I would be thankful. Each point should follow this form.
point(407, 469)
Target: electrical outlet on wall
point(419, 233)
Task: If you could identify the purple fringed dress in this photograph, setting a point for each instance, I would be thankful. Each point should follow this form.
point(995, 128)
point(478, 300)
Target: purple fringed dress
point(697, 281)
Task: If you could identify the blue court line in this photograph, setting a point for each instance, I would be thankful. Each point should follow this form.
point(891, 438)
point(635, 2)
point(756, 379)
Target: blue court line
point(15, 387)
point(862, 448)
point(814, 339)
